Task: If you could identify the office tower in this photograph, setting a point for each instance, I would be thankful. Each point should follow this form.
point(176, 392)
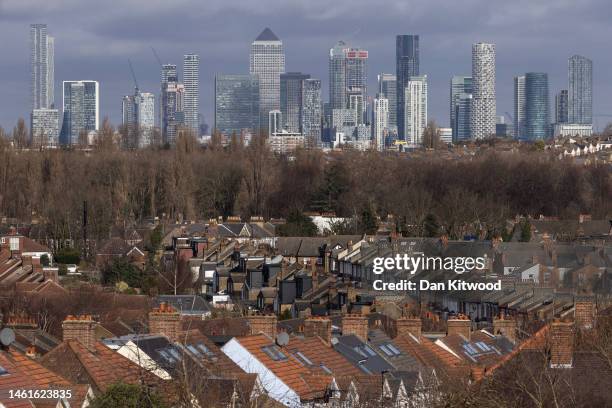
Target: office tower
point(502, 129)
point(482, 122)
point(45, 127)
point(459, 85)
point(387, 88)
point(537, 121)
point(357, 81)
point(415, 97)
point(41, 67)
point(139, 118)
point(291, 85)
point(463, 114)
point(50, 71)
point(380, 121)
point(172, 106)
point(236, 104)
point(191, 82)
point(168, 71)
point(406, 66)
point(267, 60)
point(337, 76)
point(311, 112)
point(561, 106)
point(81, 101)
point(519, 107)
point(275, 121)
point(580, 90)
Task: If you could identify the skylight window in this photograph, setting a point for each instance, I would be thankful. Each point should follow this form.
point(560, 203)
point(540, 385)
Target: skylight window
point(394, 349)
point(304, 358)
point(274, 353)
point(390, 350)
point(324, 368)
point(3, 371)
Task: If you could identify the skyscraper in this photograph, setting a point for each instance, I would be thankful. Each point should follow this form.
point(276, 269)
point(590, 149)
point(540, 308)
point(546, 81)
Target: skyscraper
point(291, 99)
point(380, 121)
point(561, 106)
point(406, 66)
point(191, 81)
point(415, 97)
point(267, 60)
point(172, 106)
point(41, 67)
point(580, 90)
point(311, 112)
point(459, 85)
point(337, 76)
point(463, 114)
point(357, 81)
point(483, 117)
point(139, 118)
point(168, 71)
point(537, 121)
point(387, 88)
point(236, 104)
point(519, 107)
point(81, 100)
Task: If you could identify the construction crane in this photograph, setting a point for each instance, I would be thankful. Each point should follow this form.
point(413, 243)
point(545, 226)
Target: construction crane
point(133, 75)
point(157, 57)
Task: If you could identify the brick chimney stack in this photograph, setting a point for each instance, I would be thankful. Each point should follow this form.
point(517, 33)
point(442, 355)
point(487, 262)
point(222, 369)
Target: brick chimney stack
point(166, 321)
point(584, 312)
point(459, 325)
point(561, 344)
point(355, 324)
point(505, 326)
point(318, 326)
point(265, 324)
point(81, 328)
point(408, 325)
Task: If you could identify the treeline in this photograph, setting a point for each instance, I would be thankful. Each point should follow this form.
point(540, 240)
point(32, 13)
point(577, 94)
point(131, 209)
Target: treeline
point(189, 182)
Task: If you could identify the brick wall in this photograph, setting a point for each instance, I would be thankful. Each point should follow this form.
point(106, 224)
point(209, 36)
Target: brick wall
point(584, 313)
point(263, 323)
point(81, 328)
point(406, 325)
point(355, 324)
point(321, 327)
point(461, 325)
point(165, 321)
point(561, 344)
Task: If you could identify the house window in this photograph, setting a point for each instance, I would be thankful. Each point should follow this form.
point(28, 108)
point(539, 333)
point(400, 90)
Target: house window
point(274, 353)
point(14, 244)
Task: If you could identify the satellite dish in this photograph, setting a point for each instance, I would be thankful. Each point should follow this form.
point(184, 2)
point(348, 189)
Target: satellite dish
point(7, 336)
point(282, 339)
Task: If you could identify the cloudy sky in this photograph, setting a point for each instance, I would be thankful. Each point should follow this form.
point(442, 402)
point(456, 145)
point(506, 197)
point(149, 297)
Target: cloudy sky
point(94, 40)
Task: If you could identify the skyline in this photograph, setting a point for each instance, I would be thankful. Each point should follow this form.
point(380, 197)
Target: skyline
point(225, 50)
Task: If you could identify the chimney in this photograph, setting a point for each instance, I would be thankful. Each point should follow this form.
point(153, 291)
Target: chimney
point(584, 312)
point(81, 328)
point(505, 326)
point(166, 321)
point(25, 324)
point(459, 325)
point(562, 344)
point(265, 324)
point(321, 327)
point(31, 352)
point(355, 324)
point(407, 325)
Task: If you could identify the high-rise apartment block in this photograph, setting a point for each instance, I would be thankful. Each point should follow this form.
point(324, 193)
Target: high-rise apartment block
point(483, 117)
point(580, 90)
point(415, 100)
point(191, 82)
point(81, 101)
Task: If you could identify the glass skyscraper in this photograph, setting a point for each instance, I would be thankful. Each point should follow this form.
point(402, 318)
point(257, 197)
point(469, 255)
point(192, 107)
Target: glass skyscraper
point(81, 100)
point(291, 84)
point(580, 90)
point(387, 89)
point(537, 120)
point(237, 104)
point(267, 60)
point(463, 113)
point(459, 85)
point(337, 76)
point(357, 81)
point(41, 67)
point(139, 118)
point(191, 81)
point(406, 66)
